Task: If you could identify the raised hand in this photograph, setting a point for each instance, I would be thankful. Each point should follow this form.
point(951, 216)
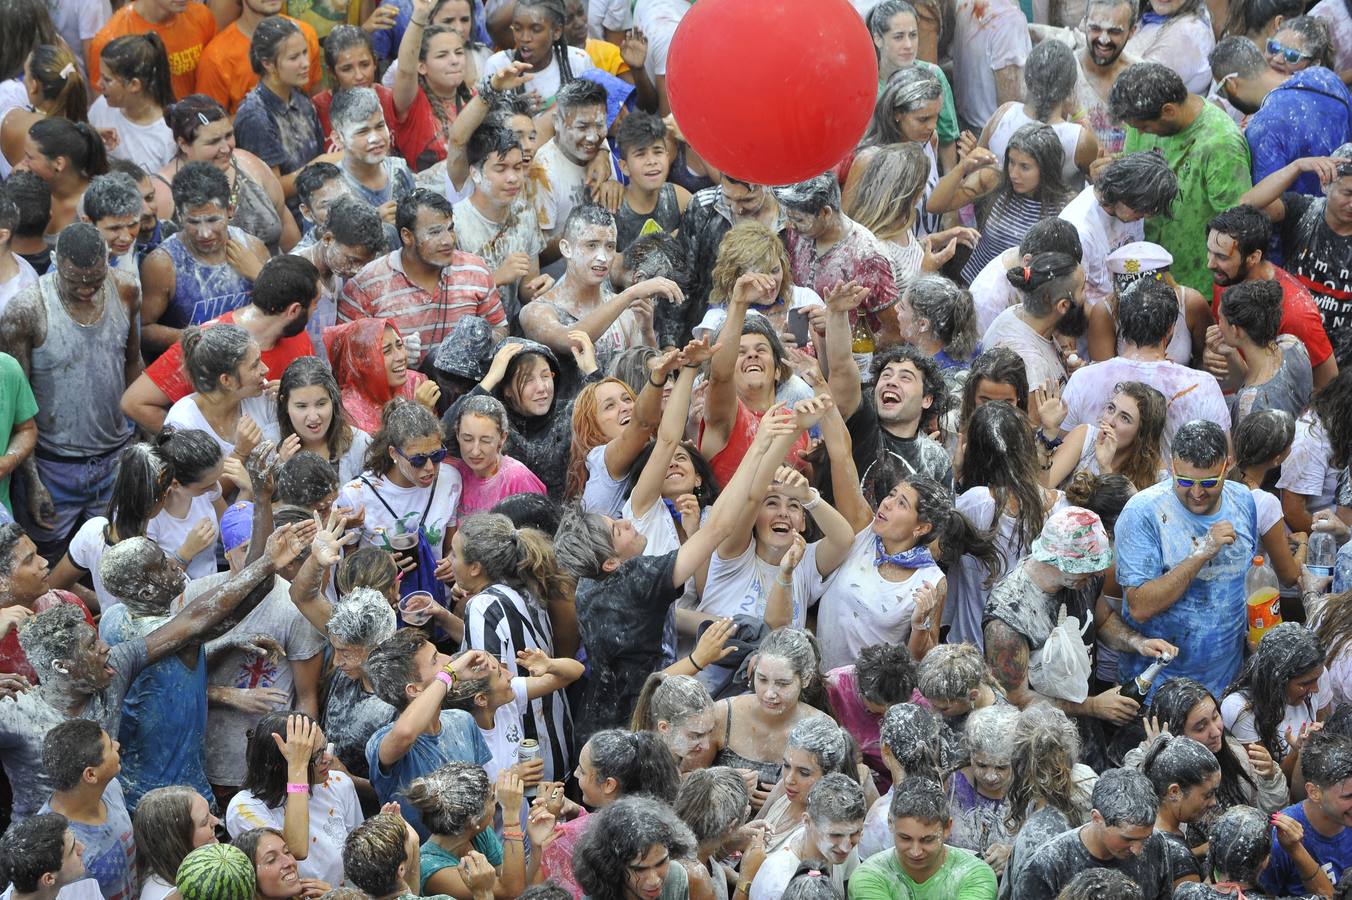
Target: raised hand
point(427, 394)
point(810, 411)
point(699, 352)
point(303, 738)
point(846, 296)
point(261, 466)
point(326, 548)
point(247, 436)
point(584, 351)
point(200, 537)
point(290, 446)
point(634, 48)
point(791, 483)
point(284, 545)
point(511, 76)
point(754, 287)
point(1051, 409)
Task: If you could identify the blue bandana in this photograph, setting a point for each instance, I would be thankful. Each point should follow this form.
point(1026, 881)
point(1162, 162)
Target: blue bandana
point(916, 558)
point(1153, 18)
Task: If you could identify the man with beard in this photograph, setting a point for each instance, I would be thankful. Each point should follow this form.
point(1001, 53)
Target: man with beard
point(1236, 249)
point(1107, 26)
point(1184, 547)
point(203, 270)
point(1053, 289)
point(75, 336)
point(1306, 114)
point(409, 673)
point(1324, 816)
point(423, 288)
point(1316, 236)
point(579, 135)
point(284, 297)
point(1203, 147)
point(83, 677)
point(1108, 213)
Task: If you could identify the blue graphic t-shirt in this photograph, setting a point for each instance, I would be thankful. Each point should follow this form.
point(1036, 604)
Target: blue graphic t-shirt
point(202, 292)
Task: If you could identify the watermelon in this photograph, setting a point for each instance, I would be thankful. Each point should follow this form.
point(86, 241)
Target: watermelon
point(216, 872)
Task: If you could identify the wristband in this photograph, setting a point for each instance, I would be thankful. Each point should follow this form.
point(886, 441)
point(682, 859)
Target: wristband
point(698, 667)
point(413, 21)
point(513, 835)
point(296, 787)
point(445, 678)
point(181, 560)
point(782, 582)
point(814, 499)
point(657, 384)
point(687, 365)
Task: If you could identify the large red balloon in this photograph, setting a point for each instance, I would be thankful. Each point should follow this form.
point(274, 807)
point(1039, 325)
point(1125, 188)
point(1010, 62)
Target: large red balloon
point(772, 91)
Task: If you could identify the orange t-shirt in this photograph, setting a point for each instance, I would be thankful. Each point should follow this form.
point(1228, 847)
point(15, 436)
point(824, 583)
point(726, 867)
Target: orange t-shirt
point(225, 74)
point(185, 36)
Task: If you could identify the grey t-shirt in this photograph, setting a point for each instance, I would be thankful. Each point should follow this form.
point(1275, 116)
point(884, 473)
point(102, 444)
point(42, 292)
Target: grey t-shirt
point(1052, 867)
point(350, 716)
point(1289, 389)
point(25, 721)
point(227, 727)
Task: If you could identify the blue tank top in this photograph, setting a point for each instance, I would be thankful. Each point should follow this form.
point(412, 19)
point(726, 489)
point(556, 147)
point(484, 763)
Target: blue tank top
point(202, 292)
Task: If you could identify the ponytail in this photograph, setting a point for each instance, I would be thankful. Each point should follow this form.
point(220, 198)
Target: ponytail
point(956, 535)
point(539, 568)
point(60, 82)
point(142, 57)
point(669, 698)
point(76, 141)
point(143, 476)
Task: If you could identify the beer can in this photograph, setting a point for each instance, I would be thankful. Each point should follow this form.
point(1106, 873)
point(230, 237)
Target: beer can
point(526, 751)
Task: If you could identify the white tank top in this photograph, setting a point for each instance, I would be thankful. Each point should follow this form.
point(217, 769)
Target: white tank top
point(1069, 133)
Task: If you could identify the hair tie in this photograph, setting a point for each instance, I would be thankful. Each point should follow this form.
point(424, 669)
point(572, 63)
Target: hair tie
point(1027, 274)
point(67, 70)
point(813, 873)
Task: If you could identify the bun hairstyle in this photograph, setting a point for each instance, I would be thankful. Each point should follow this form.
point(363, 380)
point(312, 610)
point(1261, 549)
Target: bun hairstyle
point(1044, 280)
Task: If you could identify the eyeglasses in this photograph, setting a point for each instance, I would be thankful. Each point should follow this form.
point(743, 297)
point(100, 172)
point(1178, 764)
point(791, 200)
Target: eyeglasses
point(1290, 54)
point(1205, 484)
point(418, 460)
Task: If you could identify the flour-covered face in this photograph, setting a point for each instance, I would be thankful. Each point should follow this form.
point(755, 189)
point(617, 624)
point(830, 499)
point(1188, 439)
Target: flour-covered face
point(591, 254)
point(367, 141)
point(690, 736)
point(581, 133)
point(835, 840)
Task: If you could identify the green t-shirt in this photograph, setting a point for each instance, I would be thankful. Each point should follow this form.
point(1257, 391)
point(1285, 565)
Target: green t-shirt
point(947, 128)
point(434, 858)
point(17, 405)
point(963, 876)
point(1211, 159)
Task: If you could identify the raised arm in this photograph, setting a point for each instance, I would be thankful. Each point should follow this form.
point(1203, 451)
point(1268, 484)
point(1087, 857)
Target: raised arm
point(540, 322)
point(648, 488)
point(1267, 194)
point(743, 519)
point(419, 714)
point(975, 175)
point(303, 739)
point(621, 452)
point(778, 430)
point(547, 675)
point(307, 590)
point(406, 78)
point(201, 619)
point(845, 486)
point(843, 381)
point(720, 404)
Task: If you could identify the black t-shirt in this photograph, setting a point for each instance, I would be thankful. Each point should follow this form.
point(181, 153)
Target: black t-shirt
point(874, 446)
point(1065, 856)
point(1322, 260)
point(620, 618)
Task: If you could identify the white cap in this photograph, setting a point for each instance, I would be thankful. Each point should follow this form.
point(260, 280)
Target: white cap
point(1139, 258)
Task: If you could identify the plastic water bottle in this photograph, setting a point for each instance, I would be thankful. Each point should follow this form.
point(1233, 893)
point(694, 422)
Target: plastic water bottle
point(1320, 553)
point(1265, 603)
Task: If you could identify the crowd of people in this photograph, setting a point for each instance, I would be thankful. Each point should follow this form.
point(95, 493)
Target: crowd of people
point(423, 474)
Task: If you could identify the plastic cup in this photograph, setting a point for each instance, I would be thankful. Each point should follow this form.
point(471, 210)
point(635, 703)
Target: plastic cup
point(405, 541)
point(416, 608)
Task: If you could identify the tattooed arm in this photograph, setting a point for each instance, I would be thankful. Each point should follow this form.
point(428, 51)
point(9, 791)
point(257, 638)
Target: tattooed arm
point(1007, 655)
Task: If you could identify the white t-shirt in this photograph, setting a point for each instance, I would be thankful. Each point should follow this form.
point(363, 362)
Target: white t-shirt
point(169, 532)
point(741, 586)
point(149, 146)
point(991, 35)
point(78, 21)
point(506, 733)
point(1268, 507)
point(657, 19)
point(23, 278)
point(156, 888)
point(859, 607)
point(1306, 470)
point(546, 82)
point(1041, 360)
point(1188, 393)
point(186, 414)
point(352, 463)
point(602, 494)
point(566, 188)
point(334, 811)
point(1100, 234)
point(86, 549)
point(1239, 721)
point(779, 867)
point(992, 293)
point(84, 889)
point(1182, 43)
point(608, 14)
point(407, 505)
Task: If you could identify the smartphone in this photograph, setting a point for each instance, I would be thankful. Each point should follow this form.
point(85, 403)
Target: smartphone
point(798, 326)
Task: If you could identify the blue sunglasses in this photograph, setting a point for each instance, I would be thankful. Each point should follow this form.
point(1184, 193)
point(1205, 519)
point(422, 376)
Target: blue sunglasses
point(418, 460)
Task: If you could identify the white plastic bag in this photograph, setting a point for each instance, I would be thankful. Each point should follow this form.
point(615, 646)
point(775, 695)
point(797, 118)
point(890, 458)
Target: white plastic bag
point(1061, 668)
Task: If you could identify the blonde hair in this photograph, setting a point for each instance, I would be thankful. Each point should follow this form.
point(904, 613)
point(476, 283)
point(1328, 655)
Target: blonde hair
point(748, 247)
point(884, 199)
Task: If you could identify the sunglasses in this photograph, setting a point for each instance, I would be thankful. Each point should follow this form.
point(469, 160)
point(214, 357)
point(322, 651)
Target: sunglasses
point(1205, 484)
point(418, 460)
point(1290, 54)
